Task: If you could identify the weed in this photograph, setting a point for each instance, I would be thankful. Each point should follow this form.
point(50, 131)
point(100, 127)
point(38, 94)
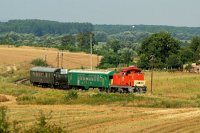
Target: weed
point(16, 127)
point(4, 125)
point(198, 96)
point(72, 94)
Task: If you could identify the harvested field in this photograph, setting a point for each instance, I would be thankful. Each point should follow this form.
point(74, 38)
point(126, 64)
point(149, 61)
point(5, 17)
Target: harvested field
point(104, 118)
point(14, 55)
point(85, 118)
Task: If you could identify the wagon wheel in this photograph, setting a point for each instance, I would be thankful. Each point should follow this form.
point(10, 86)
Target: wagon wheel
point(101, 89)
point(121, 90)
point(109, 90)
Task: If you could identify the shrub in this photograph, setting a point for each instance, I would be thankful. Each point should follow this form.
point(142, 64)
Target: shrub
point(39, 62)
point(105, 65)
point(72, 94)
point(4, 125)
point(43, 125)
point(3, 98)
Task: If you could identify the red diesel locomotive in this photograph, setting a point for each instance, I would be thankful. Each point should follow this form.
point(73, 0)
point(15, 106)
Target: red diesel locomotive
point(129, 80)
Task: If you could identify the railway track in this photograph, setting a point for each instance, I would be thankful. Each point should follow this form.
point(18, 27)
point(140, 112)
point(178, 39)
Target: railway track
point(21, 81)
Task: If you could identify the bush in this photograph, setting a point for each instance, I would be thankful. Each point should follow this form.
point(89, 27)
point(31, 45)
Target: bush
point(72, 94)
point(4, 125)
point(3, 98)
point(106, 65)
point(39, 62)
point(43, 125)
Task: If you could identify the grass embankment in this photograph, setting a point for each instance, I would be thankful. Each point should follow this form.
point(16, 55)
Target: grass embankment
point(170, 90)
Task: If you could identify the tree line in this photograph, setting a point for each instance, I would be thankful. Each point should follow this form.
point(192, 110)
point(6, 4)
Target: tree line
point(162, 51)
point(43, 27)
point(180, 33)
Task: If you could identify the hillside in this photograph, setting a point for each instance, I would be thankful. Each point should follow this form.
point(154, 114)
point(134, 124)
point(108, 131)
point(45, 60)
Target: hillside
point(14, 55)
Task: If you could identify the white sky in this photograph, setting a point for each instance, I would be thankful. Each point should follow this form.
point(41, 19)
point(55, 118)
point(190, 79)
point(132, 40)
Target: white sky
point(150, 12)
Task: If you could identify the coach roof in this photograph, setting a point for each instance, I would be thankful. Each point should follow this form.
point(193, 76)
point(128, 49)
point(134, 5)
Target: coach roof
point(44, 69)
point(92, 71)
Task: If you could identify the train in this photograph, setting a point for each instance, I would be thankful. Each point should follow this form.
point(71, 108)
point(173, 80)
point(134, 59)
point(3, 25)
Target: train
point(128, 80)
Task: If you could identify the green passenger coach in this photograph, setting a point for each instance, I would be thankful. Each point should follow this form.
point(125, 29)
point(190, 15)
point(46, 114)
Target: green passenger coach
point(86, 79)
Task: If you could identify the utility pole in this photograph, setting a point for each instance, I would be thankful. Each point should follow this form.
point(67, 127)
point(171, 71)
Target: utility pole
point(152, 67)
point(151, 80)
point(45, 56)
point(97, 60)
point(62, 59)
point(58, 59)
point(91, 51)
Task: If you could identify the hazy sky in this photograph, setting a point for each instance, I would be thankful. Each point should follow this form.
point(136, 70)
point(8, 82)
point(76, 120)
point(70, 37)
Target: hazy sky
point(151, 12)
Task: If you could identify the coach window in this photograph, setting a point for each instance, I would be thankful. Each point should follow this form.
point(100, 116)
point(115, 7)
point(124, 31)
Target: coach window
point(43, 74)
point(46, 75)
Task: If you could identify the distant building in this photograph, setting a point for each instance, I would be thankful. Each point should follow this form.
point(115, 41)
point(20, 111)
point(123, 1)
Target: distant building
point(194, 67)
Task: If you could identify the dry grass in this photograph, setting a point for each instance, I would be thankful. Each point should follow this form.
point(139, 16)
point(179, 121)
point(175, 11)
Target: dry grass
point(12, 55)
point(174, 85)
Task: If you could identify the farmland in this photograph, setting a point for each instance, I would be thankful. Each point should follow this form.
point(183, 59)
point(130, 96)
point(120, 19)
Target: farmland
point(13, 55)
point(172, 107)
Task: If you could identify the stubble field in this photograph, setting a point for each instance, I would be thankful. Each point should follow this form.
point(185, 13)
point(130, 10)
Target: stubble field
point(15, 55)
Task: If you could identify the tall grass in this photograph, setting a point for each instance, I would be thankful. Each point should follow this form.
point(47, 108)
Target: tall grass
point(174, 85)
